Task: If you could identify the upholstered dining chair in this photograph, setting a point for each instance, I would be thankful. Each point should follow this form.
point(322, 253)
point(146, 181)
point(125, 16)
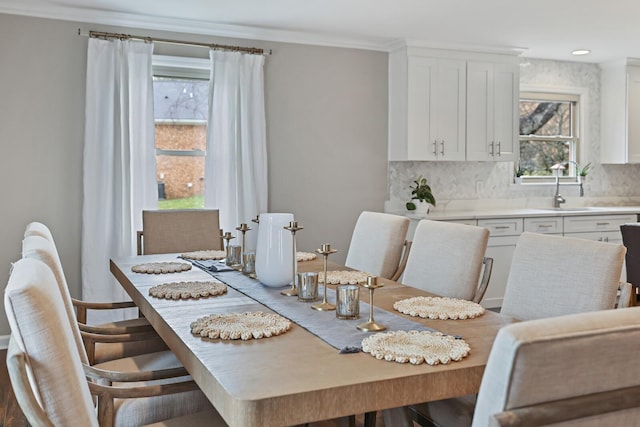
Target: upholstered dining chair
point(447, 259)
point(102, 342)
point(183, 230)
point(558, 371)
point(377, 244)
point(549, 276)
point(51, 380)
point(631, 240)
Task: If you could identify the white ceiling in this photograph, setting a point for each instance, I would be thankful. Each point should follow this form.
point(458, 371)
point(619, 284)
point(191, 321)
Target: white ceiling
point(542, 28)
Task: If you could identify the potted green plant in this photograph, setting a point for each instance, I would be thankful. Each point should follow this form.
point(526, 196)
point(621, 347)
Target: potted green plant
point(583, 171)
point(518, 172)
point(421, 191)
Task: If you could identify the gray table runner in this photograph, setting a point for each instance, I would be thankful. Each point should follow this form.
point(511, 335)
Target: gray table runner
point(341, 334)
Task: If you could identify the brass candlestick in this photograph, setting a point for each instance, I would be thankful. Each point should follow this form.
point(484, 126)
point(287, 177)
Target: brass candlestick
point(371, 325)
point(325, 250)
point(227, 237)
point(243, 229)
point(293, 291)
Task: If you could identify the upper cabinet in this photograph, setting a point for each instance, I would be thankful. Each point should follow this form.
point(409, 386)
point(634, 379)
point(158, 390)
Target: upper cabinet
point(493, 91)
point(620, 112)
point(450, 105)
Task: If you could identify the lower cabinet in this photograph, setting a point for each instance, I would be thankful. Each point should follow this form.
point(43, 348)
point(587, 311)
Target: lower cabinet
point(501, 250)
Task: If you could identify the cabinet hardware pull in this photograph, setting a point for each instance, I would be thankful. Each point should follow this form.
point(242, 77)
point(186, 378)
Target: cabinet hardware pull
point(435, 147)
point(501, 227)
point(606, 239)
point(499, 154)
point(491, 149)
point(602, 223)
point(599, 239)
point(545, 226)
point(442, 147)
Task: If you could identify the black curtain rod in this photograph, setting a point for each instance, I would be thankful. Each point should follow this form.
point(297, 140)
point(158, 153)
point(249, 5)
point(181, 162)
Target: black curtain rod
point(105, 36)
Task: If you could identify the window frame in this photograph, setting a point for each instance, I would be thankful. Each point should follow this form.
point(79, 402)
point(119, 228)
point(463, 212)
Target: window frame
point(180, 67)
point(573, 94)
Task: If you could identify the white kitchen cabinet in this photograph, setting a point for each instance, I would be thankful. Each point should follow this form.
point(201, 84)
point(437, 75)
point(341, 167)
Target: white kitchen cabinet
point(493, 91)
point(433, 113)
point(501, 249)
point(620, 110)
point(429, 123)
point(504, 233)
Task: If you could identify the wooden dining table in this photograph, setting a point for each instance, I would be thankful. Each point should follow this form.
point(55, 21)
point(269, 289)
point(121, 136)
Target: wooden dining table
point(296, 377)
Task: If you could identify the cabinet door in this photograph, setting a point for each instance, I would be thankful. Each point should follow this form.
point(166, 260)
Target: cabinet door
point(492, 111)
point(633, 112)
point(506, 115)
point(501, 250)
point(480, 140)
point(421, 129)
point(448, 109)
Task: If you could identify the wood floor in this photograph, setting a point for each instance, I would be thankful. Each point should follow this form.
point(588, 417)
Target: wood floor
point(10, 413)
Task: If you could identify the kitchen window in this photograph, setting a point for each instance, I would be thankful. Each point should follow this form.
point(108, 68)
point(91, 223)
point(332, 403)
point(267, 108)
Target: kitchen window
point(549, 134)
point(180, 87)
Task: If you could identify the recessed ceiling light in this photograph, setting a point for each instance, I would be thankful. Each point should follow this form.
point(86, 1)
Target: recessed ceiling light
point(579, 52)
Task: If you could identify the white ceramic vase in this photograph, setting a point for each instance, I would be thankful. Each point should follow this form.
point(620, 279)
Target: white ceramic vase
point(274, 250)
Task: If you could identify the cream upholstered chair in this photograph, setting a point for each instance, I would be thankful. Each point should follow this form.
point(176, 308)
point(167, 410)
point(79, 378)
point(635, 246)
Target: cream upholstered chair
point(103, 342)
point(447, 258)
point(559, 371)
point(554, 276)
point(377, 244)
point(47, 372)
point(549, 276)
point(168, 231)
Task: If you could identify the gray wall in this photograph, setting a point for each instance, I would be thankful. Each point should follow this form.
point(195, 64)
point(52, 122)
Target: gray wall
point(326, 132)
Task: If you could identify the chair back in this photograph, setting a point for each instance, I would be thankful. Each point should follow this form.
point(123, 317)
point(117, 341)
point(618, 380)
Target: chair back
point(561, 368)
point(631, 240)
point(168, 231)
point(377, 243)
point(38, 322)
point(41, 249)
point(554, 276)
point(446, 258)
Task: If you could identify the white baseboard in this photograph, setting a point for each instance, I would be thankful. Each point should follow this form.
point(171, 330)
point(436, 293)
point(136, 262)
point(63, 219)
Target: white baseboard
point(4, 342)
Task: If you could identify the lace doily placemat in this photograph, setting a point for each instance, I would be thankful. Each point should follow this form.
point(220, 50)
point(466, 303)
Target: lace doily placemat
point(442, 308)
point(161, 267)
point(416, 347)
point(344, 277)
point(305, 256)
point(244, 326)
point(187, 290)
point(204, 255)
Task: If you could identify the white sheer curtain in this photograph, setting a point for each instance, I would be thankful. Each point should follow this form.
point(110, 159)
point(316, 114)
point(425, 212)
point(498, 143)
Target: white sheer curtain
point(236, 163)
point(119, 161)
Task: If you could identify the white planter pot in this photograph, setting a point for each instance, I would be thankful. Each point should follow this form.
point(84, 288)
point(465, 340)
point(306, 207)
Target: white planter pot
point(274, 251)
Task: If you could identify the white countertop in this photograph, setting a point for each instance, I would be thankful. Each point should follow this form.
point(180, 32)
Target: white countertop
point(524, 212)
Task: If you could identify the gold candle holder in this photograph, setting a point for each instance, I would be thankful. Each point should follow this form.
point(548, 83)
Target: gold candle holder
point(325, 250)
point(243, 228)
point(293, 227)
point(371, 325)
point(227, 238)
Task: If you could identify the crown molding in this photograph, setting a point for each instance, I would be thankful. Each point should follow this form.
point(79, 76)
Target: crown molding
point(412, 43)
point(188, 26)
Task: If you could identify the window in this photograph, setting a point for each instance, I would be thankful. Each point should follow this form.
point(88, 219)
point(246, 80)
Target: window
point(548, 133)
point(180, 88)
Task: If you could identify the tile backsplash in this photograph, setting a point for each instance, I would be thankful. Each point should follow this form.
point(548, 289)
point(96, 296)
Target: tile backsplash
point(489, 184)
